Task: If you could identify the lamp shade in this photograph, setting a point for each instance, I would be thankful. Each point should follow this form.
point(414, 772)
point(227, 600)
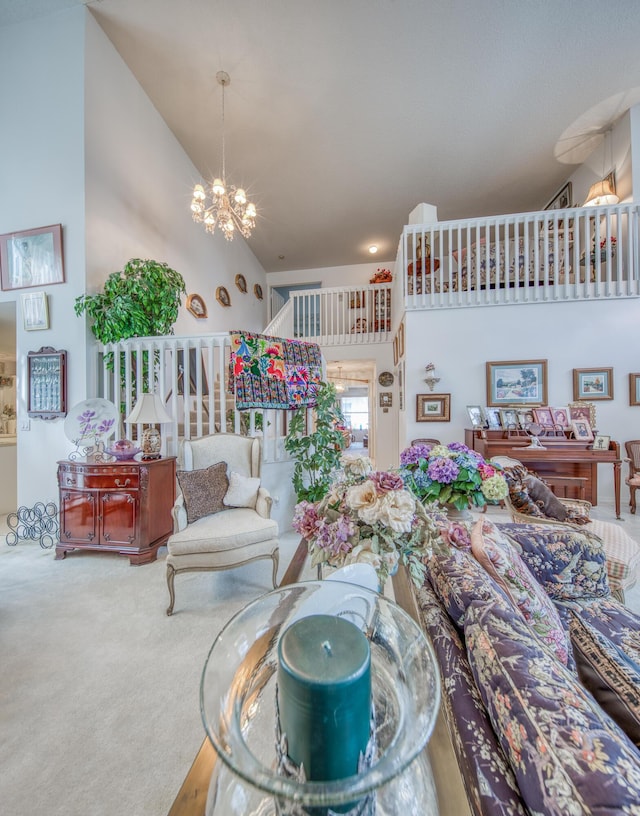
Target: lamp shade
point(601, 194)
point(149, 409)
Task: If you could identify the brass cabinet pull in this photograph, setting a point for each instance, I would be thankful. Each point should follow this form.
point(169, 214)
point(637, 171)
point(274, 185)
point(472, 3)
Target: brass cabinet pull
point(71, 480)
point(126, 484)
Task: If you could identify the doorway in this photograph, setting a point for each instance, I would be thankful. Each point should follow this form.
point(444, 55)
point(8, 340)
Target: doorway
point(8, 411)
point(354, 381)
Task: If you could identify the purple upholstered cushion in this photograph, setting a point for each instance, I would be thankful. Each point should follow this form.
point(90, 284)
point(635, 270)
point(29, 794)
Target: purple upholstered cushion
point(569, 564)
point(567, 755)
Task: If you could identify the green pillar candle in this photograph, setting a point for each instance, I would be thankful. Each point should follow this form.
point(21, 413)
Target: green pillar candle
point(324, 695)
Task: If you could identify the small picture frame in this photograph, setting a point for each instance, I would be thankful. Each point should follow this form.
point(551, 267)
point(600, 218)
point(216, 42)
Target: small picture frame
point(357, 299)
point(401, 341)
point(583, 410)
point(257, 291)
point(493, 418)
point(395, 351)
point(562, 199)
point(222, 296)
point(386, 399)
point(35, 311)
point(601, 442)
point(525, 418)
point(433, 407)
point(31, 258)
point(241, 283)
point(476, 416)
point(561, 418)
point(543, 416)
point(197, 306)
point(634, 389)
point(509, 418)
point(582, 430)
point(593, 383)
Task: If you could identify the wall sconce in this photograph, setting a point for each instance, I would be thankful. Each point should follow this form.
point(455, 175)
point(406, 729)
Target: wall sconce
point(431, 378)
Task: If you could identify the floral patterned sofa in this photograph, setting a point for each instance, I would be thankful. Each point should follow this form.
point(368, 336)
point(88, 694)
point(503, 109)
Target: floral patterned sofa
point(540, 668)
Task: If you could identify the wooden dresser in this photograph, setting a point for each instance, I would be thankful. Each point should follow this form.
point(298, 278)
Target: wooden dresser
point(561, 457)
point(122, 507)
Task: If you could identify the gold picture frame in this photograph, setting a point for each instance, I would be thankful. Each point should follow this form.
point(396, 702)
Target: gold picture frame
point(197, 306)
point(222, 296)
point(433, 407)
point(241, 283)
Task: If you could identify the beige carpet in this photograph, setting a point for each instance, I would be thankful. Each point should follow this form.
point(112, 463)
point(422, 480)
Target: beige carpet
point(99, 710)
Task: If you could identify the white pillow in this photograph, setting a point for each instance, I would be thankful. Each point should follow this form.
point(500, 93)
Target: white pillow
point(242, 492)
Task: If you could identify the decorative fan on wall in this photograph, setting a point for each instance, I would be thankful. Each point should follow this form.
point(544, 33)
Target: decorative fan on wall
point(343, 384)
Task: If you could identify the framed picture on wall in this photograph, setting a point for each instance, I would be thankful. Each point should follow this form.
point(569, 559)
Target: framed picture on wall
point(433, 407)
point(35, 311)
point(593, 383)
point(31, 258)
point(517, 382)
point(634, 389)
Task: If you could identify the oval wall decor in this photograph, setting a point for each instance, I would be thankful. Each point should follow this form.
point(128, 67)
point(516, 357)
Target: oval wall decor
point(241, 283)
point(257, 290)
point(222, 296)
point(197, 306)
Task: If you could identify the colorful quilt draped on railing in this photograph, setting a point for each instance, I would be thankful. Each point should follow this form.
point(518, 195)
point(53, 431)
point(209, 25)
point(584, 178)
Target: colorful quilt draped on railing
point(272, 372)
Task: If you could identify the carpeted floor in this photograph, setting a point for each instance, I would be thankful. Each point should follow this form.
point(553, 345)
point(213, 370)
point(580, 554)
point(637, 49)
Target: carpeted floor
point(99, 709)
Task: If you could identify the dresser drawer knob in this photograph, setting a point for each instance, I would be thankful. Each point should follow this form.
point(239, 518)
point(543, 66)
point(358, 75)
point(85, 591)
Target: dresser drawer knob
point(126, 483)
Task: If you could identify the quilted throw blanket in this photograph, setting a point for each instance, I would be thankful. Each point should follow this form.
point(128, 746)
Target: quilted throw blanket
point(271, 372)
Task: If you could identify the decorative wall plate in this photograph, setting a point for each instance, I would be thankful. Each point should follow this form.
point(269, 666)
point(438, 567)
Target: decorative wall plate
point(197, 306)
point(257, 291)
point(241, 283)
point(386, 379)
point(91, 421)
point(222, 296)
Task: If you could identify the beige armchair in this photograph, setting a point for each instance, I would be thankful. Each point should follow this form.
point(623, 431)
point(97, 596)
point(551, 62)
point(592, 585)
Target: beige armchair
point(222, 514)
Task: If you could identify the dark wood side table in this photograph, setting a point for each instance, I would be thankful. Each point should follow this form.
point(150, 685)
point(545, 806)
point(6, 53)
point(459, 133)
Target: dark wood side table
point(122, 507)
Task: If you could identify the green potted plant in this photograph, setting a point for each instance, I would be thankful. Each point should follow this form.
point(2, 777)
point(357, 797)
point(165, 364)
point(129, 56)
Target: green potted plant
point(316, 453)
point(141, 300)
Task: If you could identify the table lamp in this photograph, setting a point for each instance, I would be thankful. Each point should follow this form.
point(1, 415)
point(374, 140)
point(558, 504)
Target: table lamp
point(149, 410)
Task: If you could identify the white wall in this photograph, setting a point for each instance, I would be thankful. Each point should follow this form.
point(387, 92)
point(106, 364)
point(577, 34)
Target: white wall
point(41, 156)
point(569, 335)
point(123, 191)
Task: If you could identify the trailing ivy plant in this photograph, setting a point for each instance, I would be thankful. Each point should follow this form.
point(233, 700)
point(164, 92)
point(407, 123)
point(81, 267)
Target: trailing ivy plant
point(316, 453)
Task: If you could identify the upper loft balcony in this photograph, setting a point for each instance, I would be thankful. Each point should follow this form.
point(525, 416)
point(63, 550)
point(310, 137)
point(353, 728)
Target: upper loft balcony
point(580, 253)
point(554, 255)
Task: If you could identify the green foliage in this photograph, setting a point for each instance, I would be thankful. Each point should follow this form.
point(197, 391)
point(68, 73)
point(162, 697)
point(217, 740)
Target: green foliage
point(142, 300)
point(316, 454)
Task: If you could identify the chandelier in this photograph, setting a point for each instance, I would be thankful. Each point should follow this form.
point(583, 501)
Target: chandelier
point(227, 207)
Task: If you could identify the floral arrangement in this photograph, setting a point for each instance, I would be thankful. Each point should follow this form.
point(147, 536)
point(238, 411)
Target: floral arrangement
point(451, 474)
point(612, 243)
point(381, 276)
point(367, 517)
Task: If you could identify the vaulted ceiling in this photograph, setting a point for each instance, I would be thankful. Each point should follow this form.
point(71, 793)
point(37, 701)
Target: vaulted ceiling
point(343, 115)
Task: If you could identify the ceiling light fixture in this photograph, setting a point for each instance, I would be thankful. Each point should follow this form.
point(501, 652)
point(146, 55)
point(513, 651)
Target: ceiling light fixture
point(373, 249)
point(228, 208)
point(603, 192)
point(340, 384)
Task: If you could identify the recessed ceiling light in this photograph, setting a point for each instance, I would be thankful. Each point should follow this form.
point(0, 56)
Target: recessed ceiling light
point(373, 249)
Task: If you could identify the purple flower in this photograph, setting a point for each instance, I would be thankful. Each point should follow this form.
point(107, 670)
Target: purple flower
point(305, 519)
point(413, 454)
point(458, 446)
point(457, 536)
point(334, 536)
point(386, 481)
point(444, 471)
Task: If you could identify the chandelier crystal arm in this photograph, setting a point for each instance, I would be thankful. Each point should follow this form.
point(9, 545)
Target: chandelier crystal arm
point(227, 208)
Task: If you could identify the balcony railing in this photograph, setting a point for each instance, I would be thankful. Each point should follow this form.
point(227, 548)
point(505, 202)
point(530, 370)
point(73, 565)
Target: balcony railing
point(553, 255)
point(191, 374)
